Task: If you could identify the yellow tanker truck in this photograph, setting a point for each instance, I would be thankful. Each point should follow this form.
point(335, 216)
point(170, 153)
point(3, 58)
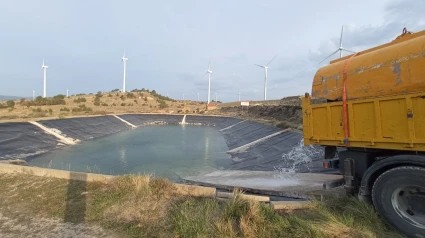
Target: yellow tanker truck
point(368, 111)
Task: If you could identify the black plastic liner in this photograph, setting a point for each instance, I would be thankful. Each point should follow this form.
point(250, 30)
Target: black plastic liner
point(219, 122)
point(284, 152)
point(21, 140)
point(87, 128)
point(247, 132)
point(146, 119)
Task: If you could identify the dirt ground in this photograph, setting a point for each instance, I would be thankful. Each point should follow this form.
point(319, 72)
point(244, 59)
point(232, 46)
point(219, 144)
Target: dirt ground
point(16, 226)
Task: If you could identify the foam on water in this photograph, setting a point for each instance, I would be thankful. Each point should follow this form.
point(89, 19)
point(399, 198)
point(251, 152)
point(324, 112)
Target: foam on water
point(298, 155)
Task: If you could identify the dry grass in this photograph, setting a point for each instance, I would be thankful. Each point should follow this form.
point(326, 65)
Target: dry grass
point(142, 206)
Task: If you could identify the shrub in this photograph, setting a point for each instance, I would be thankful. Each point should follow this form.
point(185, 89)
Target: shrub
point(105, 104)
point(110, 95)
point(115, 90)
point(146, 99)
point(99, 94)
point(113, 104)
point(50, 111)
point(162, 104)
point(64, 109)
point(130, 95)
point(97, 101)
point(123, 104)
point(80, 100)
point(82, 108)
point(135, 101)
point(37, 110)
point(122, 97)
point(10, 103)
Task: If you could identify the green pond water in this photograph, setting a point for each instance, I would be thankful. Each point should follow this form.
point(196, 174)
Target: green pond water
point(166, 151)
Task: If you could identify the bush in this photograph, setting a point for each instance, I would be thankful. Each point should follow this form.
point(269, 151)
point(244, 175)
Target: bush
point(159, 96)
point(122, 97)
point(135, 101)
point(130, 95)
point(50, 111)
point(64, 109)
point(37, 110)
point(10, 103)
point(123, 104)
point(162, 104)
point(80, 100)
point(105, 104)
point(115, 90)
point(110, 95)
point(97, 101)
point(82, 108)
point(113, 104)
point(146, 99)
point(99, 94)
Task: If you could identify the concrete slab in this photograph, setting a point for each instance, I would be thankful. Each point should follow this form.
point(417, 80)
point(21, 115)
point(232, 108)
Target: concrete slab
point(295, 185)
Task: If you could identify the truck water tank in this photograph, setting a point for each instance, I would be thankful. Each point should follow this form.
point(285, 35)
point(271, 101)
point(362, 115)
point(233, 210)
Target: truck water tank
point(394, 68)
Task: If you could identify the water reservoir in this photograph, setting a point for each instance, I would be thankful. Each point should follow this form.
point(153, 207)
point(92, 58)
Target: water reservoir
point(171, 151)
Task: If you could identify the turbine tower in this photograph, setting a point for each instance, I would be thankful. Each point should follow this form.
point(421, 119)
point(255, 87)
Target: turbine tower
point(265, 73)
point(44, 68)
point(67, 91)
point(124, 60)
point(33, 94)
point(239, 94)
point(216, 97)
point(197, 94)
point(340, 49)
point(209, 72)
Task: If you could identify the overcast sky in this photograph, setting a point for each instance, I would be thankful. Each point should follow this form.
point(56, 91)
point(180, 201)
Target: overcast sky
point(169, 43)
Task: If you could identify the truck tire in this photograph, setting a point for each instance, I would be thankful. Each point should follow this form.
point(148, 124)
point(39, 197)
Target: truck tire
point(399, 196)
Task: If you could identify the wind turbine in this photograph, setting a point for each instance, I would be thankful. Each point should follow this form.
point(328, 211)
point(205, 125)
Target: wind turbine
point(265, 72)
point(216, 97)
point(44, 68)
point(239, 94)
point(67, 93)
point(340, 49)
point(124, 60)
point(33, 94)
point(209, 72)
point(197, 94)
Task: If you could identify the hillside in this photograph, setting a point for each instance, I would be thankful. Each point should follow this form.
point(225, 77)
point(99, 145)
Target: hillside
point(5, 97)
point(101, 103)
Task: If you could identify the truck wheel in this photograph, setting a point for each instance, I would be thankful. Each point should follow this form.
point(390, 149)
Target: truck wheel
point(399, 197)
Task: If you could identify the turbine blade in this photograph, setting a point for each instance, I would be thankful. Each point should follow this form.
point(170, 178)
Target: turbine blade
point(259, 65)
point(271, 60)
point(349, 51)
point(340, 40)
point(336, 51)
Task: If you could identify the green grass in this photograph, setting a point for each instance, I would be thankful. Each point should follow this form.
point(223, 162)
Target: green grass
point(139, 206)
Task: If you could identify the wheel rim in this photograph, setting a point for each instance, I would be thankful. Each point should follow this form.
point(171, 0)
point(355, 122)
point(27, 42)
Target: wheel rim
point(409, 203)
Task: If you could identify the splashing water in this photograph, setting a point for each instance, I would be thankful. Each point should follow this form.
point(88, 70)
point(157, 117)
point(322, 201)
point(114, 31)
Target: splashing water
point(298, 155)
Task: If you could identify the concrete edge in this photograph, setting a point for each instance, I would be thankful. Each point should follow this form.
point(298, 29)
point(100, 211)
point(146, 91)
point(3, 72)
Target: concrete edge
point(291, 205)
point(255, 198)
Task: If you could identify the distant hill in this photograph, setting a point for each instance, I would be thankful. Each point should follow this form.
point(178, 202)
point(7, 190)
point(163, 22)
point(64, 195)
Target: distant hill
point(3, 97)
